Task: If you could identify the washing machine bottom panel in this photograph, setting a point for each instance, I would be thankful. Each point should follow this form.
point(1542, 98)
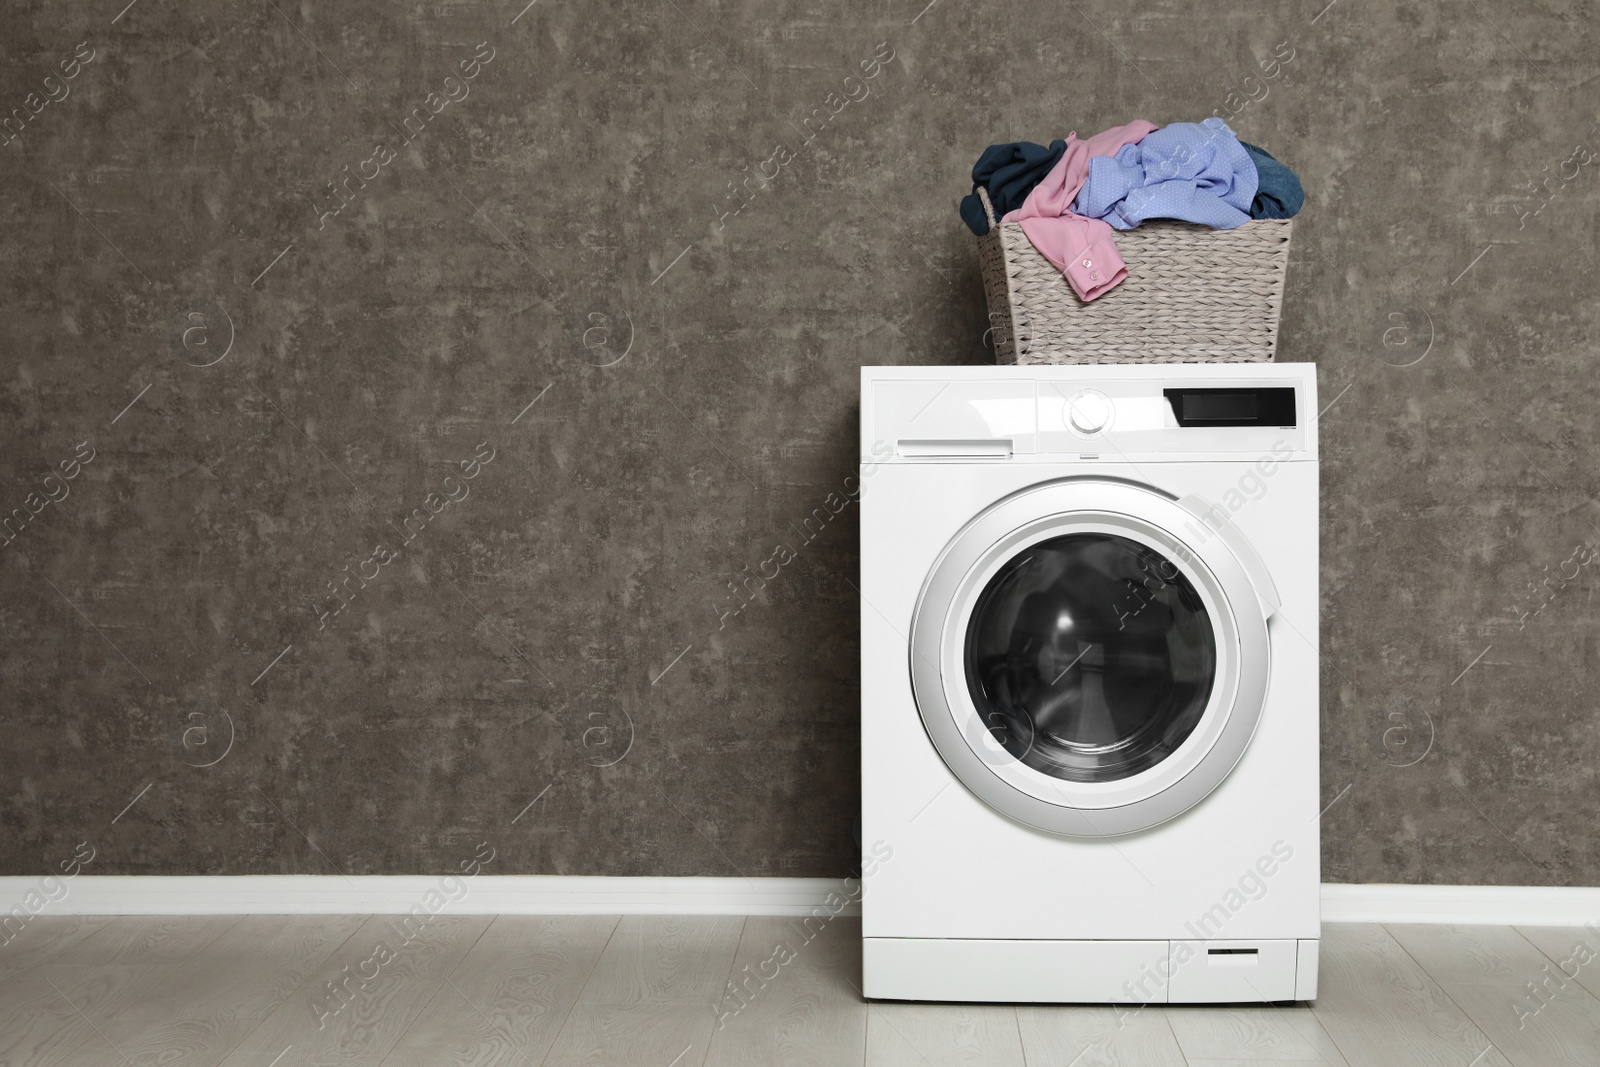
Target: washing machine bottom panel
point(1089, 972)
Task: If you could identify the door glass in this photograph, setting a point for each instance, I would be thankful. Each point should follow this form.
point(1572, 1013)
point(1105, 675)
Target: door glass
point(1090, 657)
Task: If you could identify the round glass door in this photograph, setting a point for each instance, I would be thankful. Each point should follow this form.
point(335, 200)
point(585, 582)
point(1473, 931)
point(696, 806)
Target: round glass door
point(1090, 657)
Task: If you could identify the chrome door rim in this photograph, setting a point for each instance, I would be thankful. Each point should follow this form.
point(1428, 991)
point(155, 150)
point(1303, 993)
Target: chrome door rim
point(1083, 809)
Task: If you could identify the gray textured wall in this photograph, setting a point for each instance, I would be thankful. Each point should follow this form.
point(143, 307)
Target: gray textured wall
point(573, 209)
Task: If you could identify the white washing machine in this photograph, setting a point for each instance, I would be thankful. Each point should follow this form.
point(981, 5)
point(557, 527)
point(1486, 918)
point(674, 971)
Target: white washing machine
point(1089, 721)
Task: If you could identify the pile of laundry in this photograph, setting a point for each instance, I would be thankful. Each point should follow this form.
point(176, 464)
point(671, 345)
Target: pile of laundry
point(1070, 195)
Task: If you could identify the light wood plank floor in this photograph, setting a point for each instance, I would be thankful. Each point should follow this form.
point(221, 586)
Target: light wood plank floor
point(684, 991)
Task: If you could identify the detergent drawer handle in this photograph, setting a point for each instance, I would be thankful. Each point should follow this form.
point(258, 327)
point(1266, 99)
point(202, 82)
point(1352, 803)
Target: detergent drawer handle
point(974, 448)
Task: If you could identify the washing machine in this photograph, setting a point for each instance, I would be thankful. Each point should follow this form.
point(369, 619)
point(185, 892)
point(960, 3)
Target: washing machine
point(1089, 679)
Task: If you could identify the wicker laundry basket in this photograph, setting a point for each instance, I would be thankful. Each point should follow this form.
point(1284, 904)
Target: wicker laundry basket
point(1192, 295)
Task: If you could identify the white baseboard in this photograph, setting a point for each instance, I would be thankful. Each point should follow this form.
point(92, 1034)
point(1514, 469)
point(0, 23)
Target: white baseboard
point(486, 894)
point(1469, 905)
point(561, 895)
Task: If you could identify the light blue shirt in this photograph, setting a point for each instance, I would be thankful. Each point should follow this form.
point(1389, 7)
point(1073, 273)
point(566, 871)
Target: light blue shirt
point(1195, 171)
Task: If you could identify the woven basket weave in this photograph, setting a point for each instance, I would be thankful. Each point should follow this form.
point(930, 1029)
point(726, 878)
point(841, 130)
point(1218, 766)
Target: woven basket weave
point(1192, 295)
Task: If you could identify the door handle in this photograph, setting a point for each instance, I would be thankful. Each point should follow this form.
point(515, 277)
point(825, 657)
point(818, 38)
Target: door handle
point(1216, 520)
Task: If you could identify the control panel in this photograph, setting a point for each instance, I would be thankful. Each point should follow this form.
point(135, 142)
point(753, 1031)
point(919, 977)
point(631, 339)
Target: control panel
point(1089, 412)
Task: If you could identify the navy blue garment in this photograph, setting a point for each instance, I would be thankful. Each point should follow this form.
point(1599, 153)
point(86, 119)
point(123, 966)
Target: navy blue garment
point(1009, 172)
point(1278, 194)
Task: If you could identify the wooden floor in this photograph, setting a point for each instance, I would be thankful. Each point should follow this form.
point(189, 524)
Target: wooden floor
point(271, 991)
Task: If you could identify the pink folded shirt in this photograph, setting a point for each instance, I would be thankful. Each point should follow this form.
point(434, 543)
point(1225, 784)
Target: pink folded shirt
point(1081, 248)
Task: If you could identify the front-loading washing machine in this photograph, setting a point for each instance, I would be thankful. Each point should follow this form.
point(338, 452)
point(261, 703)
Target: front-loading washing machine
point(1089, 721)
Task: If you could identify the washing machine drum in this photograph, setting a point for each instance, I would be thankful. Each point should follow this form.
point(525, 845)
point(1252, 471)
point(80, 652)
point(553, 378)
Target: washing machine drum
point(1091, 657)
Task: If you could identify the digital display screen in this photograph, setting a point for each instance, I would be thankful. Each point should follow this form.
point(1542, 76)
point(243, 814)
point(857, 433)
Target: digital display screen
point(1266, 406)
point(1219, 407)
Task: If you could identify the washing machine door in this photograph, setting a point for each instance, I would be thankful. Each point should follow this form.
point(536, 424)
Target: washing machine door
point(1090, 657)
